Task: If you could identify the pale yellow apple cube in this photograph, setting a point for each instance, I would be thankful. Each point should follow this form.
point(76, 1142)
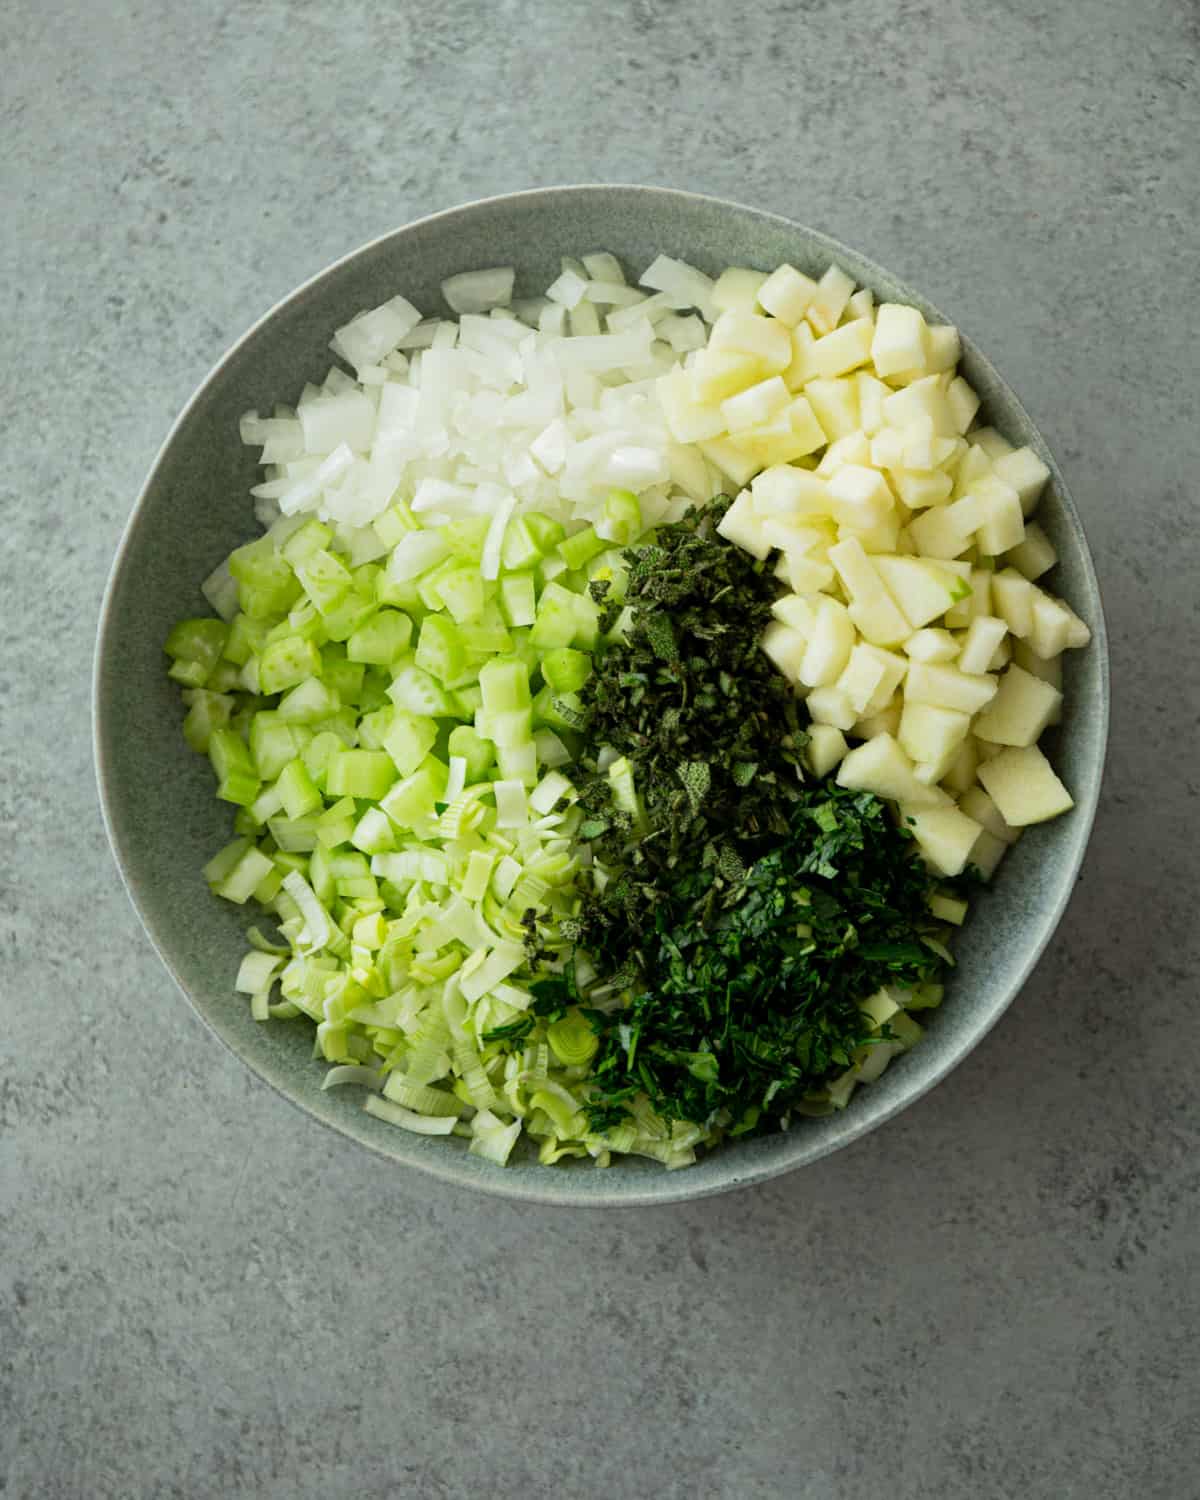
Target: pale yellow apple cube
point(978, 805)
point(766, 338)
point(833, 292)
point(785, 647)
point(835, 403)
point(923, 587)
point(931, 645)
point(960, 777)
point(1021, 708)
point(993, 444)
point(1035, 555)
point(944, 835)
point(880, 766)
point(741, 526)
point(787, 294)
point(899, 342)
point(756, 405)
point(860, 305)
point(1003, 520)
point(689, 421)
point(946, 687)
point(783, 490)
point(932, 735)
point(826, 705)
point(918, 491)
point(859, 496)
point(808, 431)
point(843, 350)
point(826, 748)
point(851, 449)
point(871, 395)
point(1022, 784)
point(973, 465)
point(963, 403)
point(979, 582)
point(1051, 625)
point(1012, 600)
point(984, 634)
point(986, 853)
point(829, 645)
point(860, 678)
point(737, 289)
point(925, 397)
point(718, 374)
point(942, 347)
point(731, 461)
point(799, 370)
point(1027, 474)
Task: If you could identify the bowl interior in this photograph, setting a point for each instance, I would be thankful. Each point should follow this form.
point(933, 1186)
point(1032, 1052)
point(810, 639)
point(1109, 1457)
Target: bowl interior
point(164, 822)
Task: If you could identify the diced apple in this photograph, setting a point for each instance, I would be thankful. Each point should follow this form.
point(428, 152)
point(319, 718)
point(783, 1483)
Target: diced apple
point(880, 620)
point(1001, 656)
point(986, 853)
point(689, 421)
point(829, 645)
point(984, 634)
point(942, 347)
point(806, 575)
point(1012, 600)
point(766, 338)
point(833, 292)
point(1035, 555)
point(1024, 787)
point(797, 611)
point(851, 449)
point(826, 705)
point(892, 671)
point(886, 721)
point(859, 497)
point(881, 766)
point(741, 526)
point(733, 462)
point(887, 448)
point(926, 397)
point(991, 442)
point(1021, 709)
point(786, 648)
point(931, 645)
point(737, 289)
point(973, 465)
point(785, 491)
point(1051, 625)
point(1049, 669)
point(899, 342)
point(923, 588)
point(979, 581)
point(757, 404)
point(932, 735)
point(948, 909)
point(787, 294)
point(860, 305)
point(826, 748)
point(918, 491)
point(963, 403)
point(856, 571)
point(1027, 474)
point(800, 370)
point(985, 750)
point(720, 373)
point(945, 687)
point(1003, 521)
point(978, 805)
point(961, 775)
point(843, 350)
point(882, 537)
point(944, 835)
point(835, 404)
point(808, 431)
point(860, 678)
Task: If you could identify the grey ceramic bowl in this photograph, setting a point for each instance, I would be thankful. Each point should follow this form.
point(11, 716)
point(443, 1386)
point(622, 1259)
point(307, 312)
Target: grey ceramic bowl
point(157, 796)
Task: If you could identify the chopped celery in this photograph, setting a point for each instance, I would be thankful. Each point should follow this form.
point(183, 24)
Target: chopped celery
point(359, 773)
point(381, 639)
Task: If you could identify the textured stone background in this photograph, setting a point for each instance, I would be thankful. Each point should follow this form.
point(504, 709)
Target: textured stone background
point(203, 1294)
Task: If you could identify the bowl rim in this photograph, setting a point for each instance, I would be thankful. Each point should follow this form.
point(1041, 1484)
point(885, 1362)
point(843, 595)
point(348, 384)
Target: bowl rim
point(547, 1188)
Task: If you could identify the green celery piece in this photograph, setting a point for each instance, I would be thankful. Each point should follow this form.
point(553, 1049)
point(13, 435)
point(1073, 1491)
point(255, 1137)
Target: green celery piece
point(274, 742)
point(195, 647)
point(343, 677)
point(520, 548)
point(555, 710)
point(314, 536)
point(623, 516)
point(325, 579)
point(320, 875)
point(374, 833)
point(466, 699)
point(359, 773)
point(374, 725)
point(206, 712)
point(342, 724)
point(336, 823)
point(440, 649)
point(381, 639)
point(318, 752)
point(298, 790)
point(578, 549)
point(266, 585)
point(466, 537)
point(409, 740)
point(397, 521)
point(247, 637)
point(565, 669)
point(351, 613)
point(478, 753)
point(304, 621)
point(401, 594)
point(545, 532)
point(518, 598)
point(238, 781)
point(504, 683)
point(309, 702)
point(557, 618)
point(283, 664)
point(294, 835)
point(417, 692)
point(240, 883)
point(461, 591)
point(411, 802)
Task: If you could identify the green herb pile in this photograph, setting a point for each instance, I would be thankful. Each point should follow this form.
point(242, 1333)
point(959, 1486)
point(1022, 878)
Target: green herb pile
point(741, 915)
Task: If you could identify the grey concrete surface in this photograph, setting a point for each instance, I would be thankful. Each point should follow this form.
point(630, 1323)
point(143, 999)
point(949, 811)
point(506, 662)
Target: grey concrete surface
point(204, 1294)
